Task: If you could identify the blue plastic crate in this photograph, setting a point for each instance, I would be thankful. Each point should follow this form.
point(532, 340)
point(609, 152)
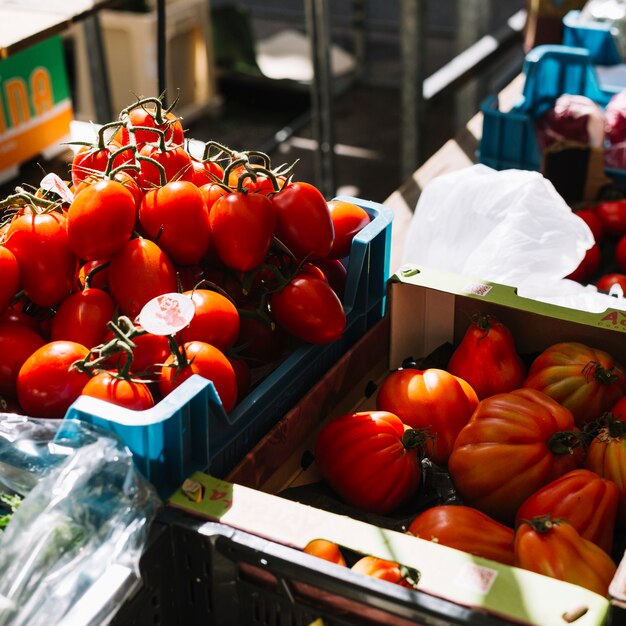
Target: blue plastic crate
point(189, 430)
point(509, 139)
point(595, 37)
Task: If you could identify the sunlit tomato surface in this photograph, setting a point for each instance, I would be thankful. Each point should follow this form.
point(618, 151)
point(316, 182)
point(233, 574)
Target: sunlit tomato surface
point(348, 219)
point(17, 343)
point(432, 399)
point(139, 272)
point(146, 115)
point(100, 220)
point(176, 216)
point(206, 172)
point(465, 528)
point(207, 361)
point(46, 262)
point(45, 385)
point(514, 444)
point(327, 550)
point(129, 394)
point(91, 161)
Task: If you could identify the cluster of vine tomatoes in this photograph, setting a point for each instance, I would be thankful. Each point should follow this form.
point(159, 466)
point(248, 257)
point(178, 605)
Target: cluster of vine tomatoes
point(535, 449)
point(258, 253)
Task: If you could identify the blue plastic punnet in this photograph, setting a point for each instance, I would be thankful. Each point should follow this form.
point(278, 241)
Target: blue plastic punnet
point(189, 430)
point(596, 37)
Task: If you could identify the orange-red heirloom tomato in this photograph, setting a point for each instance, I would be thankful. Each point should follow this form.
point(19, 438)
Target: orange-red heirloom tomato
point(383, 570)
point(554, 548)
point(46, 386)
point(129, 394)
point(486, 358)
point(324, 549)
point(100, 220)
point(583, 499)
point(514, 444)
point(606, 456)
point(466, 529)
point(370, 459)
point(433, 399)
point(586, 380)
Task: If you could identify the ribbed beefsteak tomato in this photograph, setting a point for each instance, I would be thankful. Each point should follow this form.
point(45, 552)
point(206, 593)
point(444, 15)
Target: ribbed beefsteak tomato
point(585, 380)
point(433, 399)
point(370, 459)
point(465, 528)
point(514, 444)
point(583, 499)
point(554, 548)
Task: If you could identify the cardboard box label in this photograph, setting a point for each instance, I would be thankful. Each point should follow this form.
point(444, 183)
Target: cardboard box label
point(35, 103)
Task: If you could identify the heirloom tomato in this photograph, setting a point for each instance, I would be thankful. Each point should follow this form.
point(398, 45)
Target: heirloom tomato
point(139, 272)
point(433, 399)
point(586, 380)
point(606, 456)
point(243, 226)
point(514, 444)
point(130, 394)
point(487, 359)
point(583, 499)
point(303, 221)
point(215, 321)
point(348, 219)
point(370, 459)
point(100, 220)
point(382, 569)
point(309, 309)
point(176, 216)
point(46, 384)
point(10, 272)
point(466, 529)
point(46, 262)
point(324, 549)
point(554, 548)
point(17, 343)
point(207, 361)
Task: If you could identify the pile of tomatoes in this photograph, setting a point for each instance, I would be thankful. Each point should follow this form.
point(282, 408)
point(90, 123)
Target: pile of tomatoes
point(261, 255)
point(535, 449)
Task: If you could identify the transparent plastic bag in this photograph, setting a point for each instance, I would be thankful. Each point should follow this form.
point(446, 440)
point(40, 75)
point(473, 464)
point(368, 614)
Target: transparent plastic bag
point(510, 227)
point(70, 553)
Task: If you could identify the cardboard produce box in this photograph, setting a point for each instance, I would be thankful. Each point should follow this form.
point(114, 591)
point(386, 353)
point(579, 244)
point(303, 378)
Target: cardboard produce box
point(428, 310)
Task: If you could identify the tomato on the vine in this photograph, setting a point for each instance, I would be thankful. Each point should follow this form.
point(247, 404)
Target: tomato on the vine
point(348, 219)
point(10, 272)
point(175, 160)
point(130, 394)
point(46, 386)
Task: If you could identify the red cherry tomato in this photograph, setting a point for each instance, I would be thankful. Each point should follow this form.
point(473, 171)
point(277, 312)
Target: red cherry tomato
point(243, 226)
point(10, 272)
point(45, 385)
point(92, 161)
point(596, 225)
point(309, 309)
point(83, 317)
point(101, 220)
point(216, 320)
point(612, 213)
point(130, 394)
point(206, 172)
point(588, 266)
point(146, 115)
point(207, 361)
point(46, 262)
point(608, 280)
point(348, 219)
point(303, 221)
point(176, 216)
point(212, 192)
point(96, 271)
point(17, 343)
point(139, 272)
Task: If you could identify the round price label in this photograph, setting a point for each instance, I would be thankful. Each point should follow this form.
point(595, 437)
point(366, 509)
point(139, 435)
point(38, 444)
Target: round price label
point(167, 314)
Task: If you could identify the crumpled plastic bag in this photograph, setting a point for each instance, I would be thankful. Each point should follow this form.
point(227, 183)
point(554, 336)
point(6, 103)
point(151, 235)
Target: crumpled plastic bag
point(510, 227)
point(70, 552)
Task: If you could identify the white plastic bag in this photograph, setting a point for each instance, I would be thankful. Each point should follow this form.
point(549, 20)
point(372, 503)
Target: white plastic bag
point(510, 227)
